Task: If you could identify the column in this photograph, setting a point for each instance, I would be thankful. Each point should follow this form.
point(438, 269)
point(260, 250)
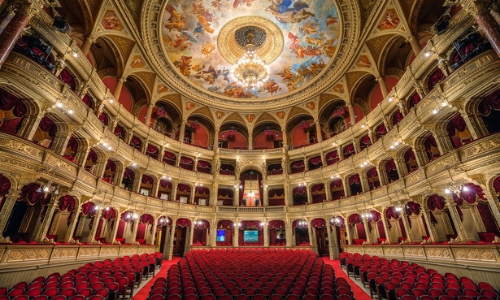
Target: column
point(216, 140)
point(407, 227)
point(118, 88)
point(289, 235)
point(347, 187)
point(420, 156)
point(349, 232)
point(93, 231)
point(42, 229)
point(401, 167)
point(192, 195)
point(81, 223)
point(11, 33)
point(148, 115)
point(333, 249)
point(236, 199)
point(112, 235)
point(455, 218)
point(213, 234)
point(250, 141)
point(8, 205)
point(265, 197)
point(318, 131)
point(306, 164)
point(383, 86)
point(155, 188)
point(87, 43)
point(309, 195)
point(182, 132)
point(61, 141)
point(494, 8)
point(488, 24)
point(266, 234)
point(235, 233)
point(364, 182)
point(428, 223)
point(367, 231)
point(476, 128)
point(415, 45)
point(476, 216)
point(131, 238)
point(352, 115)
point(443, 142)
point(30, 125)
point(386, 229)
point(492, 201)
point(328, 192)
point(285, 143)
point(289, 194)
point(136, 186)
point(8, 13)
point(312, 237)
point(68, 238)
point(169, 248)
point(214, 193)
point(150, 240)
point(174, 191)
point(190, 239)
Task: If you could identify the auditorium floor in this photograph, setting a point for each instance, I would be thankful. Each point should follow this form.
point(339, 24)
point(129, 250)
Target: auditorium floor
point(360, 293)
point(142, 292)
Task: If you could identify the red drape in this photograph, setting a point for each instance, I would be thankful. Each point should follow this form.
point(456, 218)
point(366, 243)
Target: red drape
point(492, 101)
point(332, 157)
point(135, 142)
point(147, 179)
point(47, 125)
point(8, 102)
point(88, 101)
point(414, 100)
point(165, 184)
point(151, 149)
point(276, 224)
point(183, 223)
point(225, 224)
point(315, 160)
point(354, 179)
point(129, 174)
point(413, 208)
point(183, 188)
point(147, 218)
point(88, 209)
point(92, 156)
point(360, 228)
point(298, 224)
point(110, 165)
point(33, 195)
point(381, 130)
point(473, 192)
point(119, 132)
point(487, 217)
point(67, 78)
point(318, 223)
point(428, 144)
point(435, 201)
point(390, 166)
point(435, 78)
point(67, 203)
point(300, 190)
point(4, 185)
point(372, 173)
point(104, 118)
point(298, 164)
point(456, 124)
point(186, 160)
point(365, 141)
point(391, 213)
point(397, 117)
point(355, 218)
point(349, 150)
point(496, 184)
point(109, 214)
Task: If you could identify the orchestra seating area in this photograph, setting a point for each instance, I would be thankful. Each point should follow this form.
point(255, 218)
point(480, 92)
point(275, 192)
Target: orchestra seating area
point(251, 274)
point(395, 279)
point(108, 279)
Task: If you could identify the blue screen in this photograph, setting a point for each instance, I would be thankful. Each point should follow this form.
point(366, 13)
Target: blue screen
point(250, 236)
point(221, 235)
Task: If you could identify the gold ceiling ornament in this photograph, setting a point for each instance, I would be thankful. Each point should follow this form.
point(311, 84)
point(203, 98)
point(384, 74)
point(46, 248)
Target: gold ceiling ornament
point(269, 42)
point(251, 71)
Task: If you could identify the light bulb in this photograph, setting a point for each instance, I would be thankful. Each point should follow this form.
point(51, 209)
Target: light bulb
point(70, 111)
point(434, 111)
point(75, 54)
point(447, 191)
point(465, 189)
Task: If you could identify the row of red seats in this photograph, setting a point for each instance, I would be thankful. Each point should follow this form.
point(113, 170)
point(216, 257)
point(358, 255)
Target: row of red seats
point(251, 274)
point(108, 279)
point(396, 279)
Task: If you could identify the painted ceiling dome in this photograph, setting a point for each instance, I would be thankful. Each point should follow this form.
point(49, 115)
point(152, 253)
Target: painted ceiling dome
point(297, 39)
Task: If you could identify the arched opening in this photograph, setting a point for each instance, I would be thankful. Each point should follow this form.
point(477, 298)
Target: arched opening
point(144, 229)
point(267, 136)
point(337, 189)
point(200, 232)
point(365, 142)
point(201, 196)
point(373, 178)
point(186, 163)
point(332, 157)
point(146, 185)
point(458, 132)
point(431, 148)
point(181, 236)
point(357, 229)
point(90, 162)
point(440, 217)
point(297, 166)
point(410, 160)
point(320, 233)
point(355, 184)
point(225, 197)
point(12, 113)
point(251, 188)
point(233, 136)
point(277, 234)
point(251, 233)
point(299, 195)
point(183, 193)
point(300, 230)
point(120, 132)
point(204, 167)
point(71, 148)
point(136, 143)
point(169, 158)
point(128, 179)
point(45, 133)
point(276, 196)
point(225, 232)
point(152, 151)
point(165, 190)
point(315, 163)
point(489, 110)
point(318, 193)
point(349, 150)
point(391, 170)
point(109, 172)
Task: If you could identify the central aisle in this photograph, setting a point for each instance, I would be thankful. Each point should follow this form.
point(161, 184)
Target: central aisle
point(359, 293)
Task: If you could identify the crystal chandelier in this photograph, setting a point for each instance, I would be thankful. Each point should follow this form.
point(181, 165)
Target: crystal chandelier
point(250, 71)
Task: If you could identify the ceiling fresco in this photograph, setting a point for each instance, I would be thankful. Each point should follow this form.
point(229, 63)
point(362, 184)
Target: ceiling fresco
point(309, 29)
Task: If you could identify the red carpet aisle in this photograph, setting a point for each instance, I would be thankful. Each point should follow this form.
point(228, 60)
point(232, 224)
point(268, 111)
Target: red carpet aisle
point(358, 292)
point(143, 293)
